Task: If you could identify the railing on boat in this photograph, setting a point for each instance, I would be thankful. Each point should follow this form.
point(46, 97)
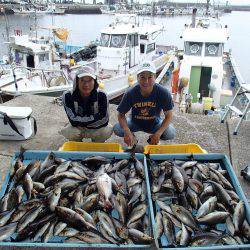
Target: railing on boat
point(31, 72)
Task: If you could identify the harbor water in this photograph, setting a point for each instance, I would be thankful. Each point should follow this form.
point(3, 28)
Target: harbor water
point(86, 28)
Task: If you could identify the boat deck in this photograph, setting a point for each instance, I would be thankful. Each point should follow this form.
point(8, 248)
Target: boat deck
point(207, 131)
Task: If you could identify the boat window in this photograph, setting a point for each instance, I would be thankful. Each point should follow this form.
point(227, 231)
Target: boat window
point(193, 48)
point(144, 37)
point(213, 49)
point(104, 40)
point(43, 57)
point(132, 40)
point(117, 41)
point(142, 48)
point(150, 47)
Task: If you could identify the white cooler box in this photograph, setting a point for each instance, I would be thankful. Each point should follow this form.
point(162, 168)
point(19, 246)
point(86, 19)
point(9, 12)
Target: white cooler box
point(16, 123)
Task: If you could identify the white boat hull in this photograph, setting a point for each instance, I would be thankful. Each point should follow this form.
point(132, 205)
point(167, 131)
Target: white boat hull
point(114, 86)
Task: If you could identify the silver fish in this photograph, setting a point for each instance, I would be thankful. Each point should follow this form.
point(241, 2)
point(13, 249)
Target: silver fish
point(189, 164)
point(133, 181)
point(214, 218)
point(184, 216)
point(5, 216)
point(107, 224)
point(121, 207)
point(138, 212)
point(245, 229)
point(29, 217)
point(139, 236)
point(106, 235)
point(185, 236)
point(59, 227)
point(69, 232)
point(38, 186)
point(78, 197)
point(104, 186)
point(63, 167)
point(41, 231)
point(89, 221)
point(121, 182)
point(239, 215)
point(195, 185)
point(54, 198)
point(90, 202)
point(168, 229)
point(178, 179)
point(7, 231)
point(204, 239)
point(90, 237)
point(20, 192)
point(49, 232)
point(222, 194)
point(28, 185)
point(136, 192)
point(158, 225)
point(230, 225)
point(193, 198)
point(207, 207)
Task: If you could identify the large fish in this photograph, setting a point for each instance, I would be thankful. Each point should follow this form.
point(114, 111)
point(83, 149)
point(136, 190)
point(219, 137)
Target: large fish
point(184, 216)
point(239, 215)
point(104, 186)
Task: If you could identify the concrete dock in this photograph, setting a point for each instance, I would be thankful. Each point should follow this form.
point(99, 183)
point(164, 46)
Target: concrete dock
point(207, 131)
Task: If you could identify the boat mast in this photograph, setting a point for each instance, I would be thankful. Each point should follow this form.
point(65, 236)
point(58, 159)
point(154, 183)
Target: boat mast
point(207, 7)
point(7, 32)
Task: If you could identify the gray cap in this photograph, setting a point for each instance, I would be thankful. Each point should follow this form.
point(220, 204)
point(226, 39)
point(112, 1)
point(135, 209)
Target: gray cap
point(86, 71)
point(83, 71)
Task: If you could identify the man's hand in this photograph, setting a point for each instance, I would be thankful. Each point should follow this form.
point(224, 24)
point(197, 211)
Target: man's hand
point(129, 138)
point(154, 139)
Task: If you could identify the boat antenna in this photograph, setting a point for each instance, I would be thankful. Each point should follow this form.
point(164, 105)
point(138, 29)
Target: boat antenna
point(36, 24)
point(207, 7)
point(7, 31)
point(153, 11)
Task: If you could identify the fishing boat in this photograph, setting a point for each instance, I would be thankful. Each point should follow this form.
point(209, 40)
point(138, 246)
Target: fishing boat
point(123, 46)
point(205, 62)
point(34, 70)
point(209, 78)
point(25, 9)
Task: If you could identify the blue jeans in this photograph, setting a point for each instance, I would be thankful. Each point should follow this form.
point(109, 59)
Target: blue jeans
point(168, 134)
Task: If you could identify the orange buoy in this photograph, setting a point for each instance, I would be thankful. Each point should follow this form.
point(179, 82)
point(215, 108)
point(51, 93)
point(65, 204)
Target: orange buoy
point(175, 79)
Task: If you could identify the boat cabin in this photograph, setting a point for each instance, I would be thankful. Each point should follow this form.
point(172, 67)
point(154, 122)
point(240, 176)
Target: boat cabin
point(125, 44)
point(203, 58)
point(27, 53)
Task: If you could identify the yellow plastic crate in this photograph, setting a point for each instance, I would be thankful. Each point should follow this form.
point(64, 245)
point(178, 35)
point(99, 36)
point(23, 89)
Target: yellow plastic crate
point(190, 148)
point(91, 147)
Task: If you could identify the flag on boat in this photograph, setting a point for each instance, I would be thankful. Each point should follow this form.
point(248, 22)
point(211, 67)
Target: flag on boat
point(62, 34)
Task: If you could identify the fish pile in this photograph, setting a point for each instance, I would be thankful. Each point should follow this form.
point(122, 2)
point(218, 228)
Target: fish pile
point(196, 205)
point(92, 200)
